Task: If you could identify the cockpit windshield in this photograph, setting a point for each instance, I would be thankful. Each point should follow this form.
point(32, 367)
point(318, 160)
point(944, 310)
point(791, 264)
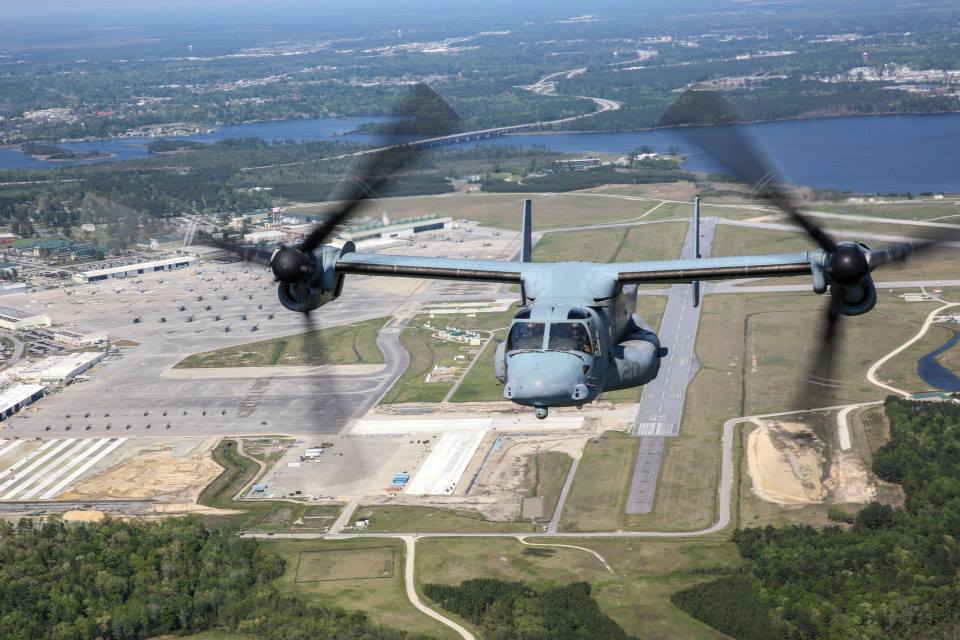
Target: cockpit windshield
point(570, 336)
point(525, 335)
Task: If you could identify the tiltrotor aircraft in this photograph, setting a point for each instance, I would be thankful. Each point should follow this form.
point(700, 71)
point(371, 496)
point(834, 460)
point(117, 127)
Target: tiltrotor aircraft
point(576, 335)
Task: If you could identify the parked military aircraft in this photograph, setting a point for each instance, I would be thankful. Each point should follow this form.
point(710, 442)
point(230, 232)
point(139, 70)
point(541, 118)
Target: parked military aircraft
point(576, 335)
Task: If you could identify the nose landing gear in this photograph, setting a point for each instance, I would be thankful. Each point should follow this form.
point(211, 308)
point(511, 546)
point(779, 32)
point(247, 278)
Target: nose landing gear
point(540, 412)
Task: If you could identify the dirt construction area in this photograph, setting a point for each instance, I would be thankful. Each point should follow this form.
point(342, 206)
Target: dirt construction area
point(164, 471)
point(475, 456)
point(789, 464)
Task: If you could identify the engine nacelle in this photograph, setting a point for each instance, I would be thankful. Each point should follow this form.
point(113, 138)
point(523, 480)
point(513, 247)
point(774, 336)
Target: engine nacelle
point(635, 361)
point(858, 298)
point(322, 287)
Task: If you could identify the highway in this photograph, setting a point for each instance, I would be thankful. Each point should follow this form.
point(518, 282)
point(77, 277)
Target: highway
point(602, 106)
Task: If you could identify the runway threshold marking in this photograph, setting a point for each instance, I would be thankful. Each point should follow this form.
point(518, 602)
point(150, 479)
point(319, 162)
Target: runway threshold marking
point(79, 472)
point(45, 470)
point(17, 476)
point(90, 450)
point(10, 446)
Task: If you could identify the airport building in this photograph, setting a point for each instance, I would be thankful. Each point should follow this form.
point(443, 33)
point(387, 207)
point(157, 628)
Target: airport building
point(19, 320)
point(403, 228)
point(16, 397)
point(58, 369)
point(129, 270)
point(14, 287)
point(78, 339)
point(267, 236)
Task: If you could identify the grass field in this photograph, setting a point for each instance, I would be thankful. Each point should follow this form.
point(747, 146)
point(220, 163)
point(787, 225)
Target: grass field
point(360, 563)
point(550, 211)
point(545, 474)
point(480, 383)
point(427, 352)
point(921, 209)
point(901, 371)
point(622, 244)
point(401, 519)
point(597, 497)
point(753, 350)
point(346, 344)
point(637, 597)
point(951, 358)
point(382, 598)
point(741, 240)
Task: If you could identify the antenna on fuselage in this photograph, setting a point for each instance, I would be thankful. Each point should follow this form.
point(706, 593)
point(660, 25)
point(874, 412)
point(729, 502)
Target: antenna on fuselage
point(696, 247)
point(526, 232)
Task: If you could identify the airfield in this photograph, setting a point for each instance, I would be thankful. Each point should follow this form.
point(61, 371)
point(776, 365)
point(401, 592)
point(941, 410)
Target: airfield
point(139, 431)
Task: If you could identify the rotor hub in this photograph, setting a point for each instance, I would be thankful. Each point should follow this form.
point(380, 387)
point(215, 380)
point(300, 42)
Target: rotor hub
point(291, 265)
point(847, 265)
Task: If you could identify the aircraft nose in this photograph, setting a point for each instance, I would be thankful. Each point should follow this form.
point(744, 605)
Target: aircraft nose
point(545, 378)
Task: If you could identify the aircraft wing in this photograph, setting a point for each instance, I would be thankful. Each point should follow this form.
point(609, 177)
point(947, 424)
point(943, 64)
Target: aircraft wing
point(379, 264)
point(657, 271)
point(725, 268)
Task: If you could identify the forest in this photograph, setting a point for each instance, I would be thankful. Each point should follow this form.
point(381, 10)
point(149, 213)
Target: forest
point(132, 580)
point(559, 181)
point(637, 58)
point(225, 178)
point(519, 611)
point(893, 573)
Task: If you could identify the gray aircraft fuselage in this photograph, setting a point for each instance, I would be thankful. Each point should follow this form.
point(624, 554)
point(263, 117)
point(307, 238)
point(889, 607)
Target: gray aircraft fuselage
point(575, 337)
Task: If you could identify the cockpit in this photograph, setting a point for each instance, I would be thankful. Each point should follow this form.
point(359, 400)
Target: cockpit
point(550, 358)
point(527, 335)
point(569, 336)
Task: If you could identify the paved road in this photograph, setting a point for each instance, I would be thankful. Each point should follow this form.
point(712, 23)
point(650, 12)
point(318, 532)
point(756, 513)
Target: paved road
point(409, 583)
point(661, 406)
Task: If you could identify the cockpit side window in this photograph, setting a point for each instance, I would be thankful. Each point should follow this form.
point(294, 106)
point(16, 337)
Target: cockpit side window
point(525, 335)
point(570, 336)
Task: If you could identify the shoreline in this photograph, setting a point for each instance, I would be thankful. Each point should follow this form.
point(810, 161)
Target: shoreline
point(885, 114)
point(207, 129)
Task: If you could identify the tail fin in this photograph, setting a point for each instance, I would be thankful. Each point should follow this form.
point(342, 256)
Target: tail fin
point(526, 233)
point(696, 247)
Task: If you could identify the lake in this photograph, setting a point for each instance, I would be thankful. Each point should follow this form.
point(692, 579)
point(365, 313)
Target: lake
point(868, 154)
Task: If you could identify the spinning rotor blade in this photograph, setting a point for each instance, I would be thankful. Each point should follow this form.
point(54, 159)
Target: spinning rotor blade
point(420, 111)
point(847, 265)
point(732, 147)
point(820, 384)
point(902, 251)
point(248, 253)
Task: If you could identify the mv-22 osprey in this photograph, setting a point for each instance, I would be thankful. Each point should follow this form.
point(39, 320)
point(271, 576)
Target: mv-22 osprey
point(576, 335)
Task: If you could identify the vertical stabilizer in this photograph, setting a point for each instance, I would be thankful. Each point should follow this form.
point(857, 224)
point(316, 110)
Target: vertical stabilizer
point(696, 247)
point(526, 232)
point(696, 227)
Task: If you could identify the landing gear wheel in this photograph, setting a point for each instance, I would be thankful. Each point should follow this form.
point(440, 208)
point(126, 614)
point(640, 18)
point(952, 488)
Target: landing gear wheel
point(540, 412)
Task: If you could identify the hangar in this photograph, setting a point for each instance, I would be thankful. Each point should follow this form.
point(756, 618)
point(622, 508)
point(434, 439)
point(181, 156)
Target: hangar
point(14, 398)
point(13, 319)
point(128, 270)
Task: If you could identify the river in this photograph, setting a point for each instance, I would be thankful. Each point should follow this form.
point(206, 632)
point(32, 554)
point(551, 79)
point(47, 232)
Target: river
point(935, 374)
point(868, 154)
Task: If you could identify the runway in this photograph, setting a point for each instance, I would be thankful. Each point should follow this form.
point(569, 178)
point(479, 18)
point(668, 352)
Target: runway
point(661, 405)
